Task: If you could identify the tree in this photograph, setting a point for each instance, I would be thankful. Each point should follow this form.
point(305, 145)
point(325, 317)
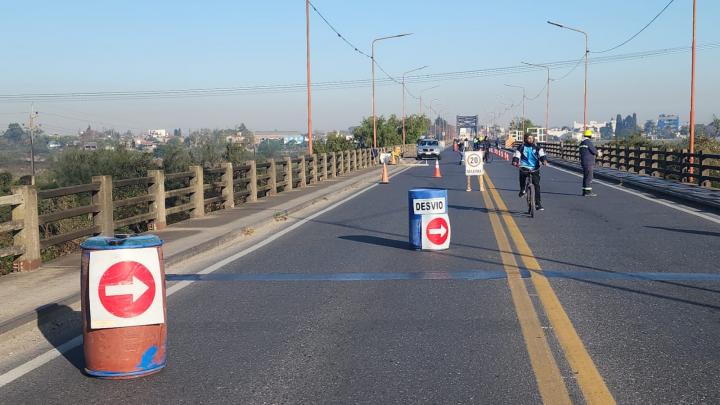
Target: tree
point(269, 148)
point(75, 166)
point(175, 156)
point(14, 134)
point(389, 131)
point(416, 126)
point(518, 124)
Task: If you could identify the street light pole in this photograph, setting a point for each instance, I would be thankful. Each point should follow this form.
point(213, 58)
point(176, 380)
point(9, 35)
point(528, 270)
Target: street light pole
point(31, 128)
point(547, 95)
point(692, 91)
point(309, 93)
point(421, 92)
point(430, 111)
point(523, 105)
point(587, 51)
point(372, 62)
point(403, 99)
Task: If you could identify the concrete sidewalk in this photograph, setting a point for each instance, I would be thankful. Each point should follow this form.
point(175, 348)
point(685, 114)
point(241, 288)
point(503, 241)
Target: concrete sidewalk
point(25, 295)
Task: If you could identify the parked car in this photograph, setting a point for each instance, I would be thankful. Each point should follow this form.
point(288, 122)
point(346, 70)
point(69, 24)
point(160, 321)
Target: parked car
point(428, 149)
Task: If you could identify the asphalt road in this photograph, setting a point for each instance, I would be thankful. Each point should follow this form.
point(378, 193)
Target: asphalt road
point(594, 329)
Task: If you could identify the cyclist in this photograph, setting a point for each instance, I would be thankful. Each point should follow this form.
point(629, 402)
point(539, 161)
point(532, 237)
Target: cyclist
point(528, 158)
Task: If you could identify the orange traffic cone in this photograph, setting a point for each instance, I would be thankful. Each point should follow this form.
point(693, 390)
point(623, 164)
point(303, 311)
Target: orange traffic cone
point(384, 178)
point(437, 170)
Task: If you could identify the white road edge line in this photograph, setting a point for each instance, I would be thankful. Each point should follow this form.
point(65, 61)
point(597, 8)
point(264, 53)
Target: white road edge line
point(71, 344)
point(644, 197)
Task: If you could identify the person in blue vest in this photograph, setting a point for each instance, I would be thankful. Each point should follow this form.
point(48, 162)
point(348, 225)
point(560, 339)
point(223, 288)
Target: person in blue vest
point(587, 161)
point(528, 158)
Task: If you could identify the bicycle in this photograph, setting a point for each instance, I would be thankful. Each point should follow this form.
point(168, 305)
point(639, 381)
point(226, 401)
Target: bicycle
point(530, 190)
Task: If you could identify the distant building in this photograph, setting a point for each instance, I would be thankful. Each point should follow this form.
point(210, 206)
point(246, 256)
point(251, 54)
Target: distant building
point(284, 136)
point(540, 134)
point(160, 134)
point(668, 123)
point(90, 146)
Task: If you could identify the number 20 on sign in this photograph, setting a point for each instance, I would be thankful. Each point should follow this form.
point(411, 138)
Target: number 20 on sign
point(474, 167)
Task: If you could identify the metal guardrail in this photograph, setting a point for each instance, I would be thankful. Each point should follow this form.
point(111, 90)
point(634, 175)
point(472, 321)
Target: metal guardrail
point(105, 205)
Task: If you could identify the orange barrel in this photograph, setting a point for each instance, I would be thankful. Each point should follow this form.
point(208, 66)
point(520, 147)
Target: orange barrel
point(122, 287)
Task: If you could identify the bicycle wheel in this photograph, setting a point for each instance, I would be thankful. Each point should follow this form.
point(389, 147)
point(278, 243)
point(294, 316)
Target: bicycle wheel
point(531, 200)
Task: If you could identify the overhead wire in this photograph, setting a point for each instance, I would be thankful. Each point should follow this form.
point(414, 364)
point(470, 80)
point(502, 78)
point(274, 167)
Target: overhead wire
point(350, 44)
point(639, 32)
point(332, 85)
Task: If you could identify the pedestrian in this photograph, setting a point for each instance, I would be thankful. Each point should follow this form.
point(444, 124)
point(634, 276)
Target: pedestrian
point(587, 161)
point(461, 152)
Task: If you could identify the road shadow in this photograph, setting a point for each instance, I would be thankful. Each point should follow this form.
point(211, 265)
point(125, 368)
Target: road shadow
point(378, 241)
point(58, 324)
point(485, 210)
point(688, 231)
point(543, 192)
point(647, 293)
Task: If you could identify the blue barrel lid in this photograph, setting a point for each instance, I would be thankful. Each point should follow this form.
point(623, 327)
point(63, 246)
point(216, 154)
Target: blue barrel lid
point(121, 241)
point(427, 193)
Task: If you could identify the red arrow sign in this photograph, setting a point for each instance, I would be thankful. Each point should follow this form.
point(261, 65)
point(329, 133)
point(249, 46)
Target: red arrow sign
point(126, 289)
point(437, 231)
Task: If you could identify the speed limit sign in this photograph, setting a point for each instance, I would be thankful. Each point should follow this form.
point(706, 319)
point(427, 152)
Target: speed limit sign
point(474, 163)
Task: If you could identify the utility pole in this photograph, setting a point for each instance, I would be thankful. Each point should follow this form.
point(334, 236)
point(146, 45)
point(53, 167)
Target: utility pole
point(587, 52)
point(403, 100)
point(547, 95)
point(31, 128)
point(523, 105)
point(309, 93)
point(372, 62)
point(692, 92)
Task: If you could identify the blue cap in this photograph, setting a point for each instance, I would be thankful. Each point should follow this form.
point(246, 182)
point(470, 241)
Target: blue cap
point(121, 241)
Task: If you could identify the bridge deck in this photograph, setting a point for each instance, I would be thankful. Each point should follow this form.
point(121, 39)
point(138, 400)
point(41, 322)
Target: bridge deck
point(623, 291)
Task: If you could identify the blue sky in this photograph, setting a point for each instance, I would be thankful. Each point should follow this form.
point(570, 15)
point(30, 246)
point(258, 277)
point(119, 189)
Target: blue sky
point(140, 45)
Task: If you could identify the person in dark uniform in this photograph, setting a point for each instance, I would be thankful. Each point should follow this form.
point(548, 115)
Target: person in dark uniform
point(587, 161)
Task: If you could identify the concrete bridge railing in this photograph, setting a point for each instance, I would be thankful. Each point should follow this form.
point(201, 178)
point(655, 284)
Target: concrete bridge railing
point(38, 218)
point(667, 164)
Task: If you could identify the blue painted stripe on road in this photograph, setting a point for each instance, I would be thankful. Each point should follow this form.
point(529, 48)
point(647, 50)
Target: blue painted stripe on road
point(469, 275)
point(424, 275)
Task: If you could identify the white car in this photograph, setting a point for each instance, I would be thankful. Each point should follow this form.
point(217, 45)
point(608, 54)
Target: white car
point(428, 149)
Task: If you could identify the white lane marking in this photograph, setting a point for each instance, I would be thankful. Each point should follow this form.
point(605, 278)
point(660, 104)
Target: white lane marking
point(51, 354)
point(38, 361)
point(645, 197)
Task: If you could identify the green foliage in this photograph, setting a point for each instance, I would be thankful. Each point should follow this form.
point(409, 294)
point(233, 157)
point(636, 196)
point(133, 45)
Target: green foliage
point(14, 133)
point(389, 130)
point(175, 156)
point(333, 143)
point(6, 181)
point(416, 126)
point(75, 166)
point(270, 148)
point(519, 124)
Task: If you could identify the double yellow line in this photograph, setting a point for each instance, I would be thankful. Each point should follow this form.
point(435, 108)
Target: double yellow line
point(547, 373)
